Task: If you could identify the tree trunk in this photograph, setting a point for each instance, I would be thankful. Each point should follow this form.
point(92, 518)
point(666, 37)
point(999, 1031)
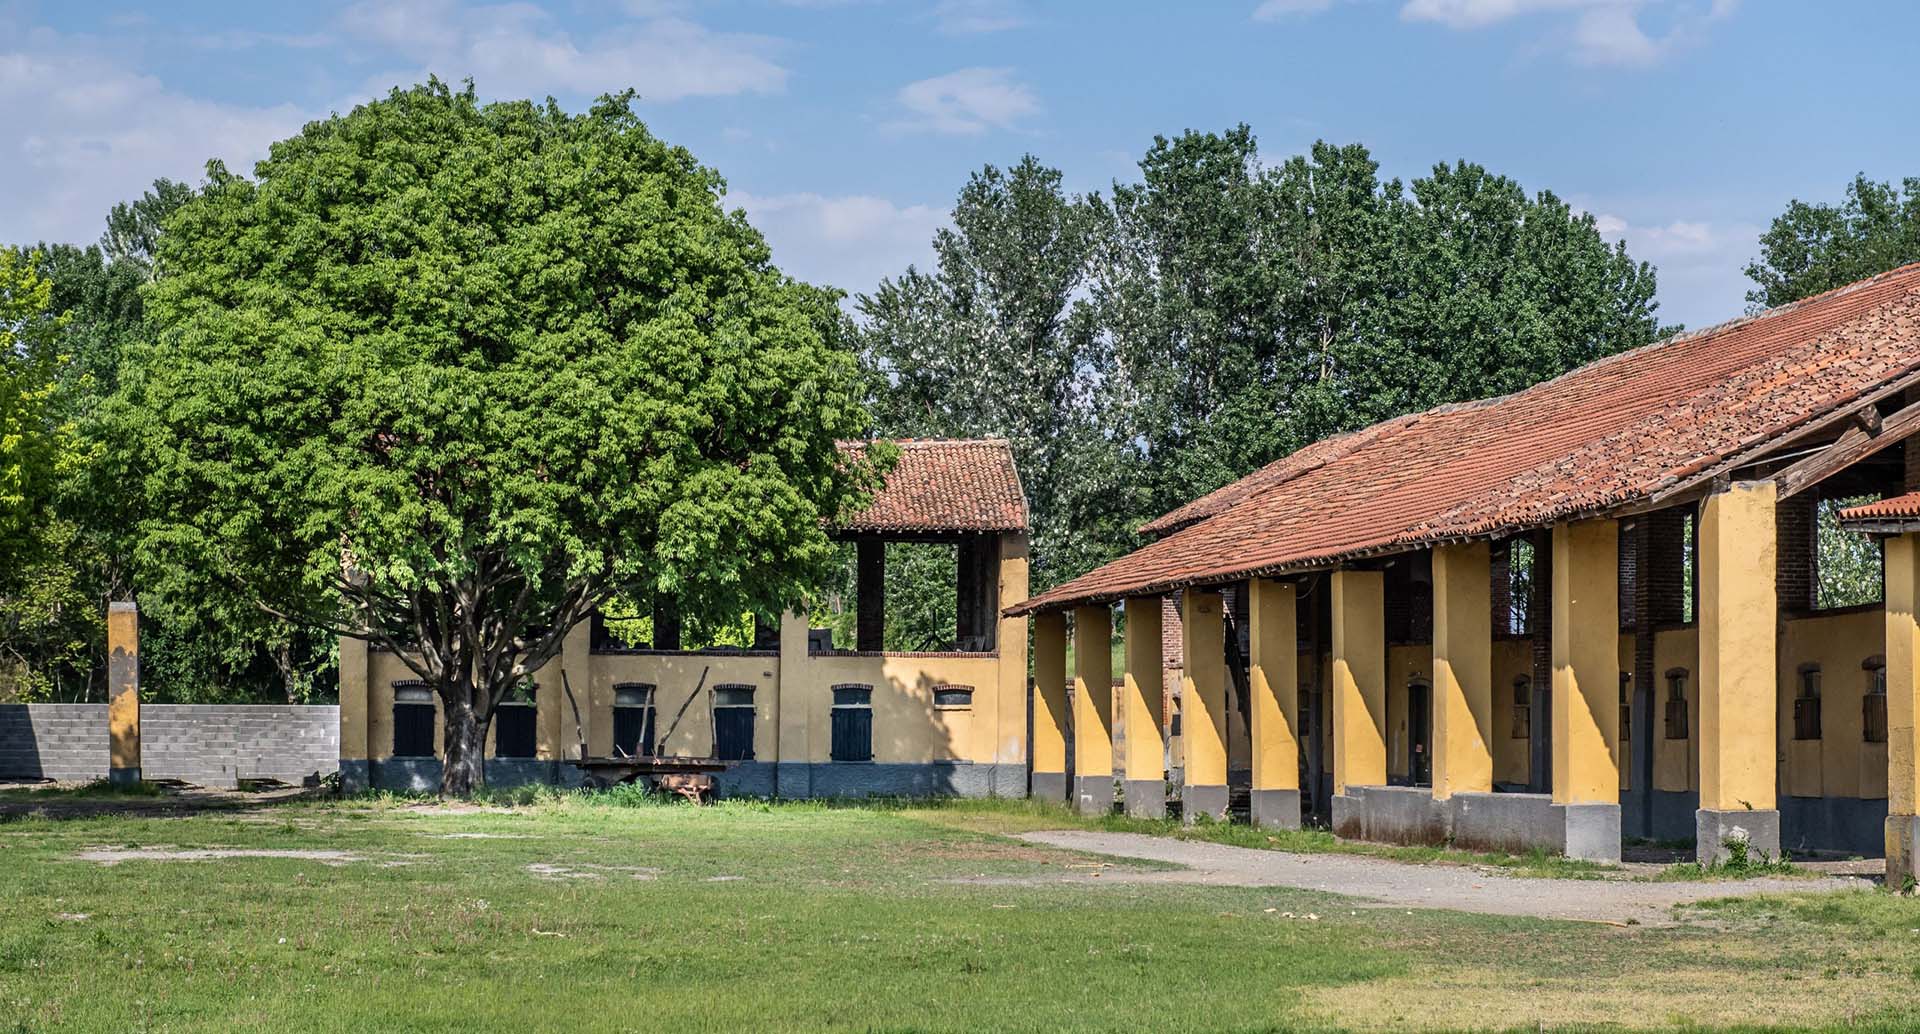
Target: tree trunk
point(464, 768)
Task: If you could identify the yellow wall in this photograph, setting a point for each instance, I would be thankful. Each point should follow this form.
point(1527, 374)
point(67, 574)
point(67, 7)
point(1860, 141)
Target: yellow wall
point(793, 695)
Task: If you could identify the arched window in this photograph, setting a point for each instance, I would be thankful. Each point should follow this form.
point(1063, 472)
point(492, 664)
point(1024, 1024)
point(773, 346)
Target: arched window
point(1873, 706)
point(852, 723)
point(412, 719)
point(952, 698)
point(1677, 704)
point(1522, 708)
point(1806, 705)
point(633, 719)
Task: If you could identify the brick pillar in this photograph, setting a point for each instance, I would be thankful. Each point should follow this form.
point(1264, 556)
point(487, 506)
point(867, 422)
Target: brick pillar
point(1093, 710)
point(1274, 684)
point(1146, 788)
point(356, 768)
point(1540, 628)
point(1586, 687)
point(1903, 709)
point(1462, 671)
point(1203, 701)
point(1794, 558)
point(870, 593)
point(1050, 706)
point(1738, 674)
point(123, 692)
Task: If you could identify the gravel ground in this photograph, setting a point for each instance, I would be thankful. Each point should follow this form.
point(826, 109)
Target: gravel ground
point(1380, 883)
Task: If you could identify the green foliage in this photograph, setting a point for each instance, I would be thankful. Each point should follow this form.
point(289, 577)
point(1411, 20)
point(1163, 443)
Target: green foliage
point(1811, 248)
point(921, 604)
point(447, 375)
point(36, 445)
point(1849, 563)
point(1221, 313)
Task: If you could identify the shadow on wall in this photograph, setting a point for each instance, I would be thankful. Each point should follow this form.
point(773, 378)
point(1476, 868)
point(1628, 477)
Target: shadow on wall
point(53, 741)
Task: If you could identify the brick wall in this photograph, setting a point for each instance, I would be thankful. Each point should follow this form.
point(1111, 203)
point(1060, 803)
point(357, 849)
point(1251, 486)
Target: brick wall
point(205, 744)
point(1793, 558)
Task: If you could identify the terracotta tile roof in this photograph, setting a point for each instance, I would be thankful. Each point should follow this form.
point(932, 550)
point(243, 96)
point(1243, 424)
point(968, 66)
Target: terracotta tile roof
point(1608, 434)
point(943, 485)
point(1900, 509)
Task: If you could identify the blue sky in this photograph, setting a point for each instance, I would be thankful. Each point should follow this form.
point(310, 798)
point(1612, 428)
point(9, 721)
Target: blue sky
point(845, 126)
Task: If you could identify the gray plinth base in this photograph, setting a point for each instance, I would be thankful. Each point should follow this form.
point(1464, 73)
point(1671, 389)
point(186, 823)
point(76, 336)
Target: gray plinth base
point(122, 776)
point(1146, 798)
point(1276, 809)
point(1592, 831)
point(1210, 801)
point(1903, 852)
point(1050, 786)
point(356, 775)
point(1713, 831)
point(1093, 795)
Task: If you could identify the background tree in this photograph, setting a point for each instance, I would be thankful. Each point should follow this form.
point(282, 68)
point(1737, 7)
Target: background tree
point(1817, 247)
point(446, 376)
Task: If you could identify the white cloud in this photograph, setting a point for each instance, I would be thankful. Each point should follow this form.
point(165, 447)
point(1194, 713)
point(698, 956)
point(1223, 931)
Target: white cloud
point(973, 17)
point(516, 49)
point(85, 132)
point(1593, 32)
point(1699, 263)
point(1602, 32)
point(849, 242)
point(1274, 10)
point(971, 100)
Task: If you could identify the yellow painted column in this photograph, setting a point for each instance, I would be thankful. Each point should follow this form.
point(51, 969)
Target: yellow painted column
point(1093, 710)
point(1050, 706)
point(1738, 610)
point(577, 689)
point(1359, 681)
point(1903, 710)
point(1273, 676)
point(1462, 670)
point(356, 773)
point(123, 692)
point(1146, 782)
point(794, 708)
point(1203, 705)
point(1010, 756)
point(1586, 687)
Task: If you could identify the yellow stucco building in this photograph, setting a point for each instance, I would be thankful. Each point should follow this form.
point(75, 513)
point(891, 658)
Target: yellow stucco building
point(1590, 611)
point(797, 715)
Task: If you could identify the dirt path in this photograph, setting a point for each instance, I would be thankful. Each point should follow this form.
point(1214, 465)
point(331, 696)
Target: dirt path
point(1380, 883)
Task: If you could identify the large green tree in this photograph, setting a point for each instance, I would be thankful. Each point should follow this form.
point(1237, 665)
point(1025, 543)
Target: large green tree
point(35, 443)
point(1245, 310)
point(982, 344)
point(1815, 247)
point(446, 376)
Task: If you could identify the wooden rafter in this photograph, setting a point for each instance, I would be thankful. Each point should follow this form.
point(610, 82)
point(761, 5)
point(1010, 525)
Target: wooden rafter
point(1850, 448)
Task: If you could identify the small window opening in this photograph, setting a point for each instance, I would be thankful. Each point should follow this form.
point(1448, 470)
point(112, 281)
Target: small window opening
point(1873, 706)
point(1522, 708)
point(953, 698)
point(412, 720)
point(633, 719)
point(1806, 706)
point(1677, 725)
point(733, 723)
point(852, 723)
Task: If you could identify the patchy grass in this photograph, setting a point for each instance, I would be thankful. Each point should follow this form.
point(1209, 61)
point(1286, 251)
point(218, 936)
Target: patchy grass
point(622, 913)
point(96, 790)
point(1026, 816)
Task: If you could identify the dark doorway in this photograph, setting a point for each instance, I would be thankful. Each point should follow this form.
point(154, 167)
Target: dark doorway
point(1420, 734)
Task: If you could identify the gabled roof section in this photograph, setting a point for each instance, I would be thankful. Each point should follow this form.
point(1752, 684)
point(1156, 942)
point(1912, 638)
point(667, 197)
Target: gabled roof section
point(1286, 468)
point(1599, 438)
point(945, 485)
point(1900, 509)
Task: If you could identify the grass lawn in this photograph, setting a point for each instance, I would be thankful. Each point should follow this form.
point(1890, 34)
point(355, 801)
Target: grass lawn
point(583, 915)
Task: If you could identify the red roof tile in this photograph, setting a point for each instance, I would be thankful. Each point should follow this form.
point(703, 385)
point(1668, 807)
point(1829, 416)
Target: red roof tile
point(1899, 509)
point(1608, 434)
point(946, 485)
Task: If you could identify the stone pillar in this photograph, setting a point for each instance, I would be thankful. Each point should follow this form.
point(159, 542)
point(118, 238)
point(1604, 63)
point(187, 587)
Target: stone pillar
point(1273, 677)
point(1146, 786)
point(1359, 684)
point(123, 692)
point(356, 768)
point(1738, 675)
point(1462, 670)
point(870, 596)
point(1903, 710)
point(1203, 704)
point(1093, 710)
point(1586, 688)
point(1050, 706)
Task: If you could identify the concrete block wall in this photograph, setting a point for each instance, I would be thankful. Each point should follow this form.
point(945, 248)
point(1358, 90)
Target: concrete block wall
point(203, 744)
